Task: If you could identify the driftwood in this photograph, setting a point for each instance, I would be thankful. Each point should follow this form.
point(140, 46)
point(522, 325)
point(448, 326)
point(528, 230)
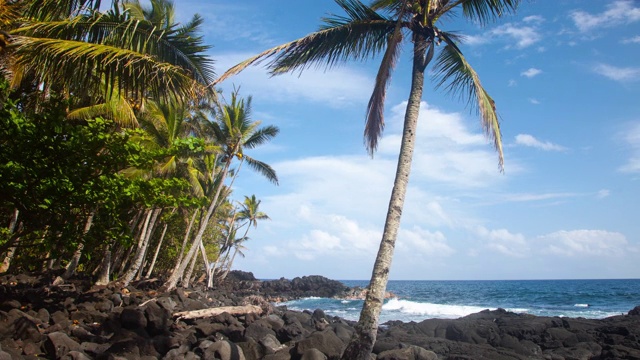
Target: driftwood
point(232, 310)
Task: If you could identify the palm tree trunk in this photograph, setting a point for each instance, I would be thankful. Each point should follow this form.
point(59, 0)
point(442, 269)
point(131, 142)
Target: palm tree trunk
point(364, 337)
point(187, 234)
point(171, 283)
point(155, 255)
point(224, 276)
point(104, 271)
point(73, 264)
point(187, 276)
point(6, 262)
point(145, 235)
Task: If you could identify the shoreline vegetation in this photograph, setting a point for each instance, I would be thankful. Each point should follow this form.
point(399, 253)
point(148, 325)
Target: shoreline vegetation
point(237, 319)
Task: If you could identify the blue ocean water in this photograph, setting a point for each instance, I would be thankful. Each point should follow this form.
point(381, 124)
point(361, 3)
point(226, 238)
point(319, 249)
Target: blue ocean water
point(419, 300)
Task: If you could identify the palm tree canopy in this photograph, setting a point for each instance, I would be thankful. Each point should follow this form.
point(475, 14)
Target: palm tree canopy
point(250, 211)
point(234, 131)
point(370, 31)
point(141, 51)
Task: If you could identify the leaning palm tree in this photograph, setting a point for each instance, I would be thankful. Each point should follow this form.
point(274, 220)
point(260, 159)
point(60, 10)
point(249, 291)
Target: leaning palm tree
point(234, 131)
point(250, 215)
point(381, 29)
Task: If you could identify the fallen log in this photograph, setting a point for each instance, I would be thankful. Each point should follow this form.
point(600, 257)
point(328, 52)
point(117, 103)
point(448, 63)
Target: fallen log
point(232, 310)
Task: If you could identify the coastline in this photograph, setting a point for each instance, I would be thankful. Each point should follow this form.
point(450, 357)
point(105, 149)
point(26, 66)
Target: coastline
point(83, 322)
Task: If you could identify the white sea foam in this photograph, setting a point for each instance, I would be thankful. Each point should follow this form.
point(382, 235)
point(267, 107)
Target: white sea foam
point(429, 309)
point(581, 305)
point(345, 301)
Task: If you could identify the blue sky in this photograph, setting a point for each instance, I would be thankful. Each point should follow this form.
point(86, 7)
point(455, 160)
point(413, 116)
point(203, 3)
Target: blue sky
point(565, 76)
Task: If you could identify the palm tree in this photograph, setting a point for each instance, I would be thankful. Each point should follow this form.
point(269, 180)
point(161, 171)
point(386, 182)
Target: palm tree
point(380, 29)
point(234, 131)
point(250, 214)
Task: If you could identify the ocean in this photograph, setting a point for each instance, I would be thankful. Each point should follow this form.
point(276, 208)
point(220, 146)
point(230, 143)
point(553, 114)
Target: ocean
point(419, 300)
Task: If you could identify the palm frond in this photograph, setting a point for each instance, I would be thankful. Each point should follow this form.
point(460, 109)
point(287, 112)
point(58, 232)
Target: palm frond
point(263, 168)
point(261, 136)
point(56, 9)
point(74, 63)
point(484, 11)
point(452, 69)
point(116, 108)
point(374, 120)
point(180, 49)
point(360, 36)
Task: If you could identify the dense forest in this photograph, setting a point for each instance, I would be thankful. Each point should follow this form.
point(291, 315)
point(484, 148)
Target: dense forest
point(118, 154)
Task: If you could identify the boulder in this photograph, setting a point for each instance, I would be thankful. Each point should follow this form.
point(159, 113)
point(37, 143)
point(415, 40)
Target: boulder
point(408, 353)
point(326, 342)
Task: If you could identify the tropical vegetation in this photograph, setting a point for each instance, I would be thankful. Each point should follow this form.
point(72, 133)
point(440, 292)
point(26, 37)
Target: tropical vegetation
point(118, 152)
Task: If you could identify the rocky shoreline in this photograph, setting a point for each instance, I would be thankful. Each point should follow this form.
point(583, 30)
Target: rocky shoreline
point(77, 321)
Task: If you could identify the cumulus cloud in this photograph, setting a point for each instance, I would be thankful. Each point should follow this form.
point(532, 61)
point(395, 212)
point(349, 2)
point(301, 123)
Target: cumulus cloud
point(617, 13)
point(523, 35)
point(631, 138)
point(584, 243)
point(531, 141)
point(504, 242)
point(418, 240)
point(447, 151)
point(621, 74)
point(603, 193)
point(531, 72)
point(534, 101)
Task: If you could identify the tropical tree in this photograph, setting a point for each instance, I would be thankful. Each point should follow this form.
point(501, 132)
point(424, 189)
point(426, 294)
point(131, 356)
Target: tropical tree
point(250, 214)
point(381, 29)
point(233, 131)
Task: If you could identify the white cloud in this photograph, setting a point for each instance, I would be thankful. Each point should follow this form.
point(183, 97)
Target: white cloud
point(503, 241)
point(447, 151)
point(534, 101)
point(512, 83)
point(531, 141)
point(418, 240)
point(531, 72)
point(524, 36)
point(632, 40)
point(338, 87)
point(618, 73)
point(603, 193)
point(538, 197)
point(618, 13)
point(631, 137)
point(537, 19)
point(584, 243)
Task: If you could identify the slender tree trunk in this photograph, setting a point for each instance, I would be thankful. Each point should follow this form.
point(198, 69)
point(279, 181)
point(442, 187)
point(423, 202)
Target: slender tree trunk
point(155, 255)
point(187, 234)
point(186, 279)
point(361, 344)
point(226, 247)
point(142, 246)
point(105, 268)
point(73, 264)
point(170, 284)
point(224, 276)
point(6, 262)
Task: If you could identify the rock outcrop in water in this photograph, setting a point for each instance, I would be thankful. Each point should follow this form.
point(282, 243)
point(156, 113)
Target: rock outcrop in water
point(79, 322)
